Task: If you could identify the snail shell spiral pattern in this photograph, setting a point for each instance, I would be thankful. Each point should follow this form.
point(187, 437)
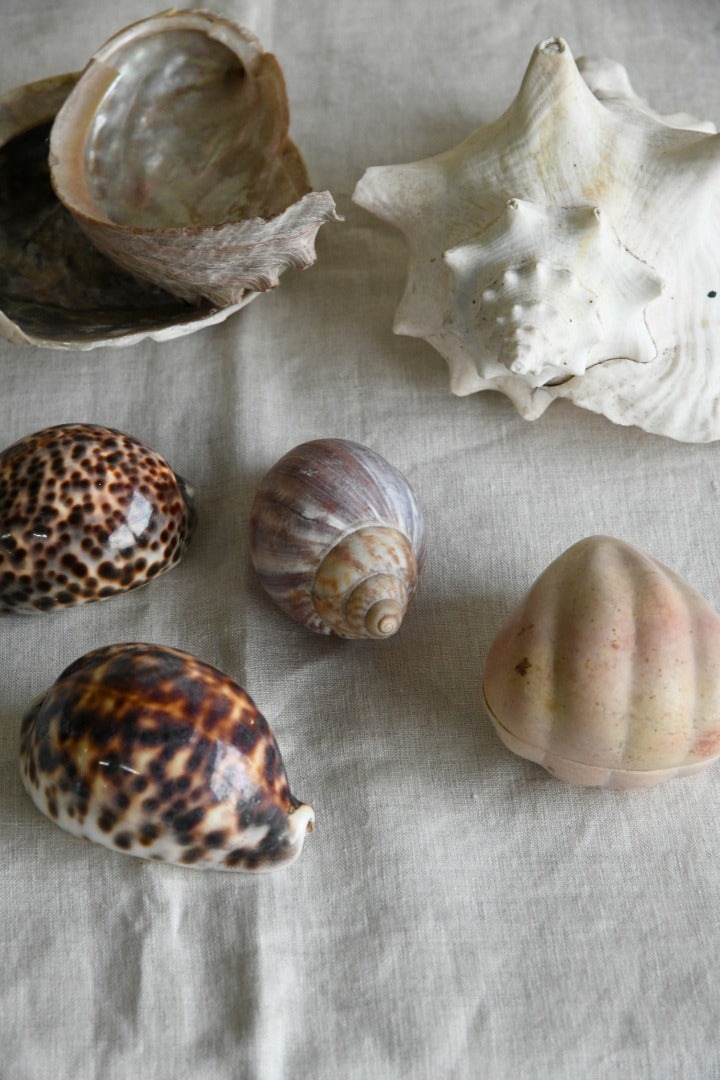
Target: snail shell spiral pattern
point(337, 539)
point(608, 672)
point(149, 751)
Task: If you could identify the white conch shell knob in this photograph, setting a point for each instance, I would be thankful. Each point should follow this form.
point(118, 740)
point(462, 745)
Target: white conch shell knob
point(337, 539)
point(608, 672)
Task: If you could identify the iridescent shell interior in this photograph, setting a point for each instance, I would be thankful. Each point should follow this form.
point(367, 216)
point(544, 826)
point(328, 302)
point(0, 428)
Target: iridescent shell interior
point(172, 153)
point(170, 128)
point(56, 289)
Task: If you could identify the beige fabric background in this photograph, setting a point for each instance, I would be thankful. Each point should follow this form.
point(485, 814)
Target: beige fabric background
point(456, 913)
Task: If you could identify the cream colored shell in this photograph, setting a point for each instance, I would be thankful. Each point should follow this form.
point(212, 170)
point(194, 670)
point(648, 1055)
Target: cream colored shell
point(608, 672)
point(569, 249)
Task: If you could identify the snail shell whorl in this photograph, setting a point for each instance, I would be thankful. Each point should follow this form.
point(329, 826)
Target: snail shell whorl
point(337, 539)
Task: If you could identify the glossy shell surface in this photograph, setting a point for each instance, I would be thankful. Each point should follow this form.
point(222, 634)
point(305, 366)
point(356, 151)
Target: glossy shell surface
point(56, 290)
point(150, 751)
point(86, 512)
point(608, 672)
point(338, 539)
point(569, 250)
point(172, 154)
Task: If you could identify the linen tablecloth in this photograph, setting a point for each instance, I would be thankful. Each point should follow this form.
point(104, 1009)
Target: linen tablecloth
point(456, 913)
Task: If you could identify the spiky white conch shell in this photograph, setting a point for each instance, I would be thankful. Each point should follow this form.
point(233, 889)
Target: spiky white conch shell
point(569, 249)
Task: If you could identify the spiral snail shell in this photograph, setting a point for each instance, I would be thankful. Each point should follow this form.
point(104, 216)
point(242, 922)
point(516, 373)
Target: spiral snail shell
point(86, 512)
point(150, 751)
point(608, 672)
point(337, 539)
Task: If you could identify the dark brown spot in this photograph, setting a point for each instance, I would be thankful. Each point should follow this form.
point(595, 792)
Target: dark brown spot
point(191, 855)
point(523, 667)
point(106, 821)
point(234, 858)
point(148, 833)
point(215, 839)
point(270, 761)
point(184, 823)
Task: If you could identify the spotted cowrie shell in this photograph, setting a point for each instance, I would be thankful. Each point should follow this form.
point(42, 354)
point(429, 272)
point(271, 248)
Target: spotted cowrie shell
point(150, 751)
point(86, 512)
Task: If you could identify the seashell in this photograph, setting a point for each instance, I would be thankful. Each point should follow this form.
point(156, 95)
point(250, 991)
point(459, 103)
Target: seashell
point(608, 672)
point(56, 290)
point(337, 539)
point(568, 250)
point(172, 154)
point(150, 751)
point(86, 512)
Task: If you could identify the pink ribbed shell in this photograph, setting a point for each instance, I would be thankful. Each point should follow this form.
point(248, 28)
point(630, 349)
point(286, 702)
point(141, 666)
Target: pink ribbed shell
point(608, 672)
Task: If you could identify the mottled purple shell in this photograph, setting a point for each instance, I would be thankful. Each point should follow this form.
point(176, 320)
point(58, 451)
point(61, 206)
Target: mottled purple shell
point(149, 751)
point(330, 516)
point(86, 512)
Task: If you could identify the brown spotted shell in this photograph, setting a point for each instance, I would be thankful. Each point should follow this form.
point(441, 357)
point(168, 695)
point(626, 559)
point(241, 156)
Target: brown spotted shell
point(86, 512)
point(150, 751)
point(337, 539)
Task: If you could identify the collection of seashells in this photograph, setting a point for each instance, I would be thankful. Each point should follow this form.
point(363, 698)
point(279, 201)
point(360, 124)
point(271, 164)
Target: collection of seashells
point(537, 269)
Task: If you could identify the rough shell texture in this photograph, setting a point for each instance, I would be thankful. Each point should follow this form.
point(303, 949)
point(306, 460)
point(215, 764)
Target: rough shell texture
point(56, 290)
point(86, 512)
point(172, 154)
point(608, 672)
point(337, 539)
point(150, 751)
point(569, 249)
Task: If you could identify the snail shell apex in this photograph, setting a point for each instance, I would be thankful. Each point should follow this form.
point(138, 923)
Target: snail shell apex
point(608, 672)
point(337, 539)
point(150, 751)
point(86, 512)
